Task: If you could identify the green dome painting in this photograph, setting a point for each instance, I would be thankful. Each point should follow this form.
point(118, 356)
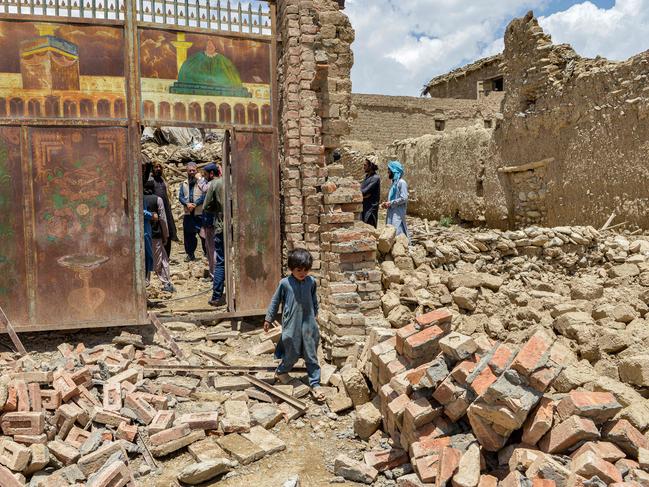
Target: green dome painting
point(209, 73)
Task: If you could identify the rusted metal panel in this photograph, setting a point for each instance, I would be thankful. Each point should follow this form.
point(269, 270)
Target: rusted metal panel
point(83, 236)
point(204, 79)
point(13, 268)
point(255, 243)
point(52, 70)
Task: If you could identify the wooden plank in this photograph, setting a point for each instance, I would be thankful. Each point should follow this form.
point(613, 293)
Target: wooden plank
point(166, 335)
point(12, 334)
point(527, 167)
point(296, 403)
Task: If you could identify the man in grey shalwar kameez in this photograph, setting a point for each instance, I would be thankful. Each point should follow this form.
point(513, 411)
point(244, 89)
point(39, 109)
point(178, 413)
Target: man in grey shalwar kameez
point(397, 204)
point(300, 335)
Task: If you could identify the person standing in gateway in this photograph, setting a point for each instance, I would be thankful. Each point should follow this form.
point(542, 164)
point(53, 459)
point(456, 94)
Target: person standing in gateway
point(213, 205)
point(192, 195)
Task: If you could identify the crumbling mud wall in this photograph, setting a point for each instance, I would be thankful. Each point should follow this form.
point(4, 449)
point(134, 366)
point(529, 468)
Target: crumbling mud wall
point(465, 82)
point(448, 175)
point(589, 115)
point(380, 120)
point(571, 147)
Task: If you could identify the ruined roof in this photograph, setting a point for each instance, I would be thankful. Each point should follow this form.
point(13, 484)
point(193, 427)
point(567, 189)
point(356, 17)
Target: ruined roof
point(463, 71)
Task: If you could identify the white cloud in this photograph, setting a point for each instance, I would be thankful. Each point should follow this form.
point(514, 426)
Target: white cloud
point(615, 33)
point(401, 44)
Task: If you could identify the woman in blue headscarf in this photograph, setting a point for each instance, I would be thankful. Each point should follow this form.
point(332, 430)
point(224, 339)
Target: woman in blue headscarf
point(397, 203)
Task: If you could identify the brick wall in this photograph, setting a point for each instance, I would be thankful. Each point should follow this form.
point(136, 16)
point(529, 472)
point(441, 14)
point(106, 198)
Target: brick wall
point(380, 120)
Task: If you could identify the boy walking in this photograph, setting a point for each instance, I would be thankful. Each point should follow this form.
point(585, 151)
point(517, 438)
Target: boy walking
point(300, 335)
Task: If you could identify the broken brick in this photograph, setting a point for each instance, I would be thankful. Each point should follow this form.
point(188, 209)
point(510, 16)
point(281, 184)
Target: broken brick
point(569, 433)
point(598, 406)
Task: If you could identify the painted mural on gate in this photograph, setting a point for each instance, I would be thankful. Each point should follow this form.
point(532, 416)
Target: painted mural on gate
point(204, 78)
point(61, 70)
point(13, 285)
point(83, 237)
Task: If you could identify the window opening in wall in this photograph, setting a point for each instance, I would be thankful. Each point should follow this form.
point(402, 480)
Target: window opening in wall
point(440, 125)
point(494, 84)
point(488, 123)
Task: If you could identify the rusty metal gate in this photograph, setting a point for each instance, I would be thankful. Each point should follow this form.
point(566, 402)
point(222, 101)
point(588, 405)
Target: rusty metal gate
point(78, 79)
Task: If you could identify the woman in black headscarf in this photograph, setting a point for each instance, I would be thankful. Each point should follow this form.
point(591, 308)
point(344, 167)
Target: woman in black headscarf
point(371, 189)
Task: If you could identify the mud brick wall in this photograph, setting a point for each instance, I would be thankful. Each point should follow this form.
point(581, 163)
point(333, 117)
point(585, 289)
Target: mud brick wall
point(591, 116)
point(381, 120)
point(463, 82)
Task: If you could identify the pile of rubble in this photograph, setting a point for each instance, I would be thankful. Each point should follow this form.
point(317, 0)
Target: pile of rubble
point(83, 416)
point(475, 412)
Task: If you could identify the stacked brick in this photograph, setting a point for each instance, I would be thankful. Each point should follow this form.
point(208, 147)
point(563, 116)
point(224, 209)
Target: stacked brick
point(473, 412)
point(351, 285)
point(79, 422)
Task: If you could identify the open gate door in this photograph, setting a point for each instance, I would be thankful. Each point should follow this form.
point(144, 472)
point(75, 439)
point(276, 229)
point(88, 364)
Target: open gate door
point(253, 249)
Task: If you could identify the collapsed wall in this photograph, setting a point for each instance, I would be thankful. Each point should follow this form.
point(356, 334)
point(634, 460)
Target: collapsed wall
point(380, 120)
point(447, 175)
point(570, 149)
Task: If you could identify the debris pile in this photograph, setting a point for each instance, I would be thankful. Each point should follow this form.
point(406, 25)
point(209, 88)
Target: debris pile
point(475, 412)
point(84, 416)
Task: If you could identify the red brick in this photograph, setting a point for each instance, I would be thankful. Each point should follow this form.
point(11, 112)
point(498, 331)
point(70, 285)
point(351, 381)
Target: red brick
point(462, 370)
point(11, 404)
point(65, 453)
point(482, 381)
point(396, 408)
point(626, 436)
point(569, 433)
point(429, 446)
point(598, 406)
point(170, 434)
point(201, 421)
point(82, 376)
point(126, 432)
point(88, 397)
point(77, 437)
point(115, 474)
point(423, 344)
point(109, 418)
point(414, 376)
point(427, 468)
point(449, 460)
point(50, 400)
point(63, 382)
point(484, 432)
point(514, 479)
point(538, 482)
point(31, 439)
point(440, 317)
point(455, 398)
point(112, 396)
point(543, 377)
point(23, 423)
point(438, 428)
point(501, 358)
point(175, 390)
point(534, 354)
point(403, 334)
point(383, 460)
point(163, 420)
point(13, 455)
point(142, 409)
point(394, 368)
point(588, 464)
point(22, 395)
point(7, 478)
point(419, 412)
point(35, 397)
point(603, 449)
point(488, 481)
point(539, 422)
point(158, 402)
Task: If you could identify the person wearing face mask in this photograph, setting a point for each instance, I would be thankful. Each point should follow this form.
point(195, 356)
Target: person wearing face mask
point(397, 204)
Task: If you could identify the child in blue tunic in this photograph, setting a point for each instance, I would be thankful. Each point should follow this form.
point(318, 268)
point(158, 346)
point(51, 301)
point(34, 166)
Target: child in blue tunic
point(300, 335)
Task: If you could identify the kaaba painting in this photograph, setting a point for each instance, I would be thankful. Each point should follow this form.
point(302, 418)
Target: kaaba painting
point(51, 70)
point(205, 78)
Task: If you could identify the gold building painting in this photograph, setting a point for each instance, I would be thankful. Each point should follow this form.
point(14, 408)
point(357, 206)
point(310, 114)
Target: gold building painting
point(51, 70)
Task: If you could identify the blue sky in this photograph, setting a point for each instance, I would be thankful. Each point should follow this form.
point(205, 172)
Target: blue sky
point(401, 44)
